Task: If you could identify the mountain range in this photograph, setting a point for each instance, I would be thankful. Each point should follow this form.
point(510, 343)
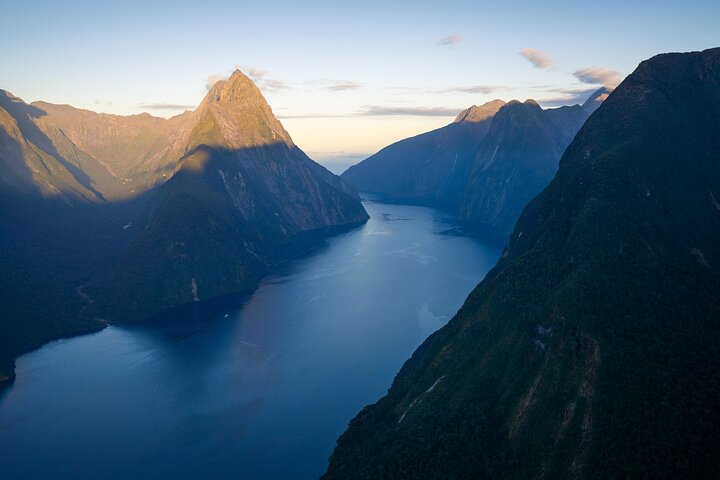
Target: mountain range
point(108, 218)
point(484, 167)
point(591, 349)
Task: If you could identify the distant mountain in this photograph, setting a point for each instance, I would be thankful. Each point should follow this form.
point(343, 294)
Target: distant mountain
point(596, 99)
point(484, 167)
point(591, 349)
point(517, 159)
point(116, 218)
point(431, 168)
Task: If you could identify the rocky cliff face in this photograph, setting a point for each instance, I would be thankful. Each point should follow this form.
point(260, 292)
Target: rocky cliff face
point(590, 350)
point(143, 213)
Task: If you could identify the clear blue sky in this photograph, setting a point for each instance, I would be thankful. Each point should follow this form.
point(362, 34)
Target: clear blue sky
point(346, 78)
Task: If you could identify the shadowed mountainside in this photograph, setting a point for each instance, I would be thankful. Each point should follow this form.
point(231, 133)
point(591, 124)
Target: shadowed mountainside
point(428, 169)
point(484, 167)
point(590, 350)
point(114, 218)
point(517, 159)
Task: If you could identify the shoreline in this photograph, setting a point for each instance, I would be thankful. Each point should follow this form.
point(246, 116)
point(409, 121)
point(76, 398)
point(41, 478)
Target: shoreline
point(301, 245)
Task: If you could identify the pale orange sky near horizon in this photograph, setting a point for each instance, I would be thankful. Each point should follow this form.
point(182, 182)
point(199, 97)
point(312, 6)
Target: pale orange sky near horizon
point(345, 79)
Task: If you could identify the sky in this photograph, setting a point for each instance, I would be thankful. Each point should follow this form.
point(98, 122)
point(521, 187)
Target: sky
point(345, 78)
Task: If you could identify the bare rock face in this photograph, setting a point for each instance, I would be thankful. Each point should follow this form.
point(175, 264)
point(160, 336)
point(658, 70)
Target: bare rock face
point(148, 213)
point(242, 116)
point(476, 114)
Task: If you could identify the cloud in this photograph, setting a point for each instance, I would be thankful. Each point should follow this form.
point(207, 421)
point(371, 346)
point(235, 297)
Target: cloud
point(476, 89)
point(567, 96)
point(262, 80)
point(382, 111)
point(388, 111)
point(265, 82)
point(598, 75)
point(255, 73)
point(341, 86)
point(213, 79)
point(165, 106)
point(450, 41)
point(538, 58)
point(272, 85)
point(288, 116)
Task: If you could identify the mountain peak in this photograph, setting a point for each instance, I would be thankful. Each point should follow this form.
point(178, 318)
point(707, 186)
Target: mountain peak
point(517, 105)
point(477, 113)
point(235, 114)
point(237, 86)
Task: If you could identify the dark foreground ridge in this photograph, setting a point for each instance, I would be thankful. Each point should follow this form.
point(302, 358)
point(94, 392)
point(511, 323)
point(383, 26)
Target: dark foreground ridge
point(591, 349)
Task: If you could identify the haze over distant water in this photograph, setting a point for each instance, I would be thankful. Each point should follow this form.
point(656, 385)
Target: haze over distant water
point(261, 394)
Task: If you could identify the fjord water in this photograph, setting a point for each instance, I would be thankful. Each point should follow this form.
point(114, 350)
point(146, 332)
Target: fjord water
point(258, 391)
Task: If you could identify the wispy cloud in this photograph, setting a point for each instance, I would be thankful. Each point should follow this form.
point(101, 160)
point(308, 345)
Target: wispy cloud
point(341, 86)
point(288, 116)
point(450, 41)
point(390, 111)
point(598, 75)
point(260, 77)
point(255, 73)
point(566, 97)
point(213, 79)
point(273, 85)
point(475, 89)
point(538, 58)
point(164, 106)
point(382, 111)
point(262, 80)
point(267, 83)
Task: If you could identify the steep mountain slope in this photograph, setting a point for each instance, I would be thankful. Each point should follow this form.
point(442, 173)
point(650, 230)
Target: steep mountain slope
point(431, 168)
point(517, 159)
point(242, 190)
point(595, 100)
point(590, 350)
point(98, 157)
point(116, 218)
point(484, 167)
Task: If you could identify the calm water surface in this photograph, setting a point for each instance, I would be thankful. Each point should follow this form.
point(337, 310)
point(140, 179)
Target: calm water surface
point(259, 391)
